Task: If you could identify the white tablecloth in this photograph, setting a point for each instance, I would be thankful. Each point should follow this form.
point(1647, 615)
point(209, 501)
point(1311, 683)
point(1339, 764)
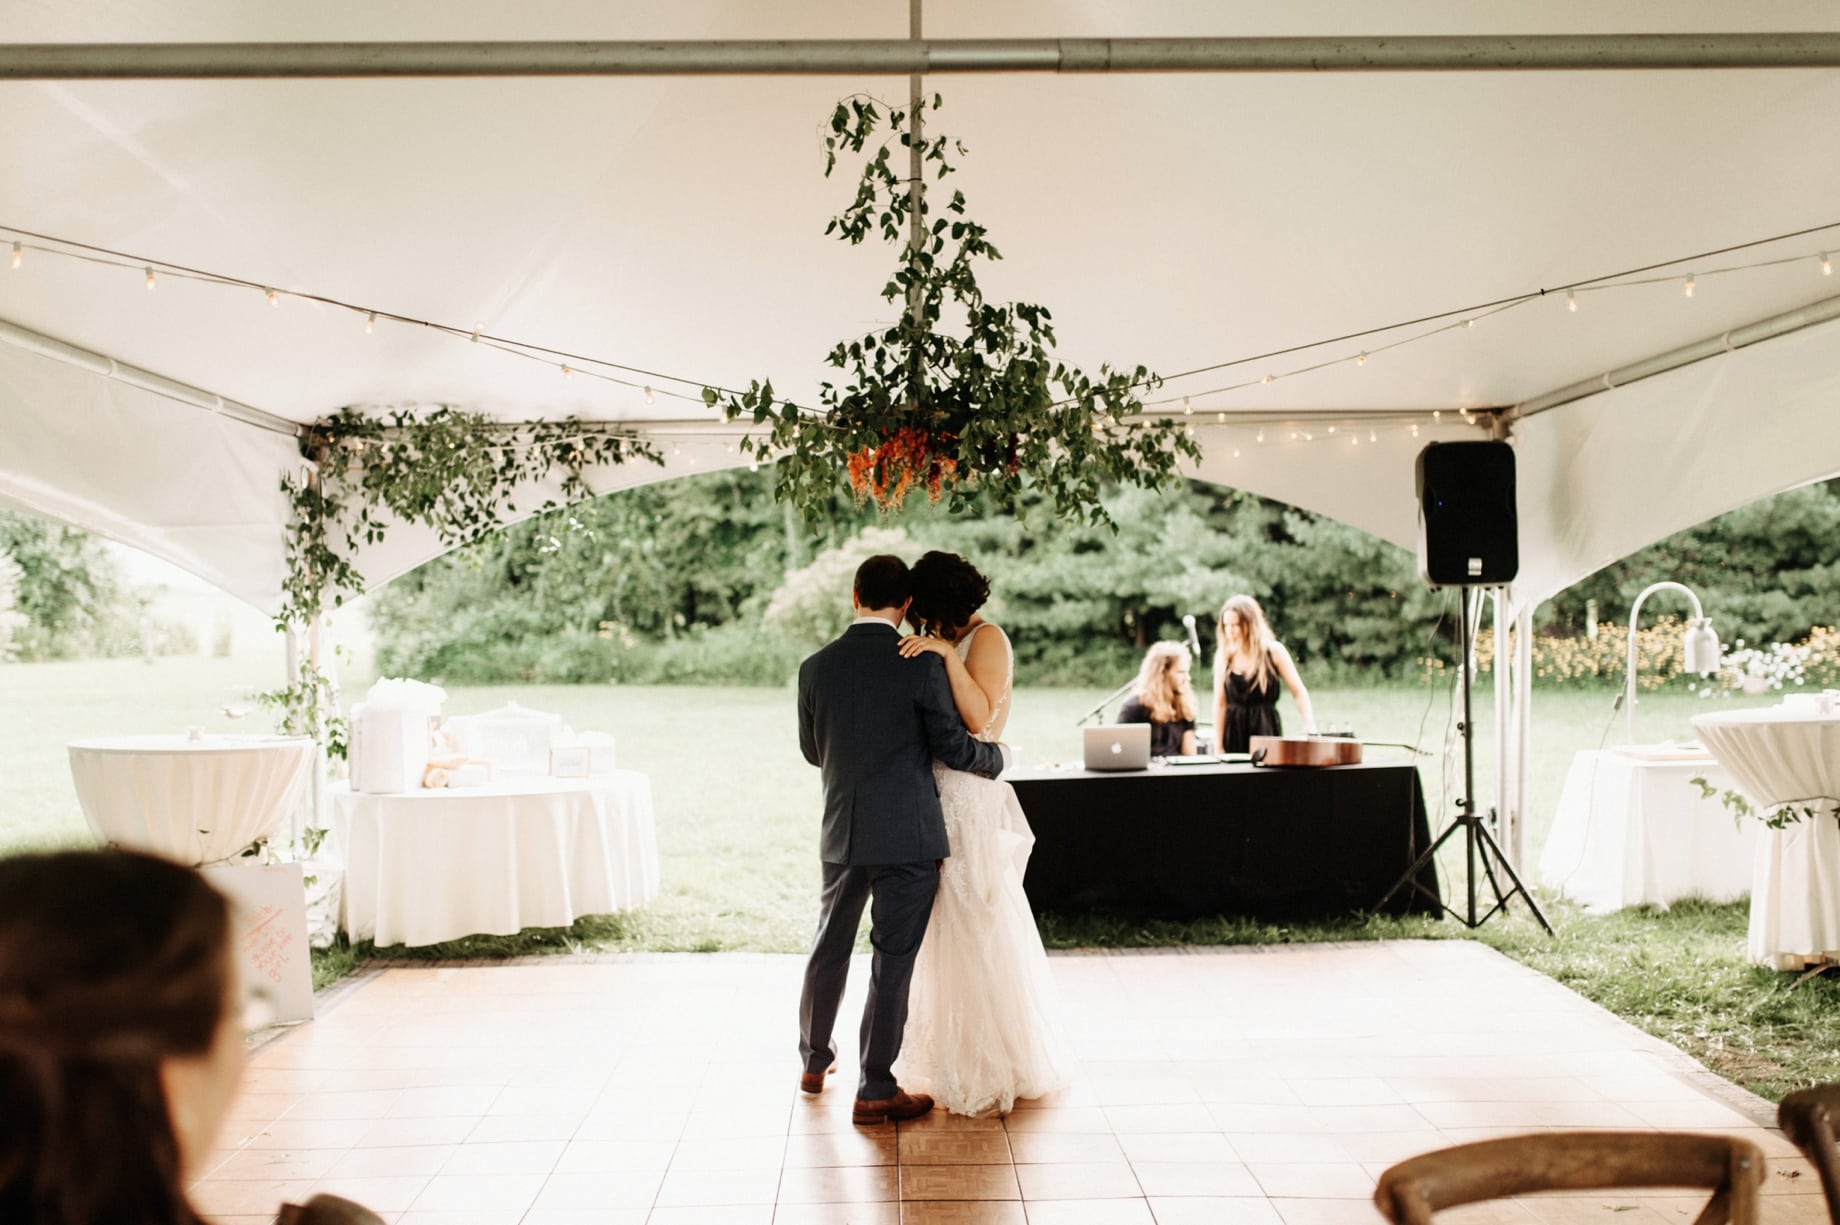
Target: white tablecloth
point(197, 801)
point(1632, 829)
point(428, 866)
point(1782, 756)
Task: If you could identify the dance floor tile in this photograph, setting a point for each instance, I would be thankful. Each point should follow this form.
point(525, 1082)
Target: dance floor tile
point(1097, 1180)
point(959, 1182)
point(982, 1146)
point(1214, 1210)
point(1242, 1087)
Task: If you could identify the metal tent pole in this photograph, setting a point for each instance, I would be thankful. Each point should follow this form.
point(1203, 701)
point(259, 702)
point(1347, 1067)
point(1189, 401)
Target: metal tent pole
point(916, 56)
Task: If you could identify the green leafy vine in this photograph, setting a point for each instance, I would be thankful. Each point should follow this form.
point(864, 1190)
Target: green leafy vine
point(951, 413)
point(448, 469)
point(1780, 817)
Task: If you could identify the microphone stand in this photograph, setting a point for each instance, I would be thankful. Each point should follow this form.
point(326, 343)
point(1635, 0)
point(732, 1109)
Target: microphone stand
point(1107, 700)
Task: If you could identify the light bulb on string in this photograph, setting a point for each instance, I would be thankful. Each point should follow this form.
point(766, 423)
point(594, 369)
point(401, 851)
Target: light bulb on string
point(1187, 408)
point(1689, 285)
point(1220, 418)
point(1571, 301)
point(1361, 360)
point(1308, 437)
point(566, 372)
point(477, 328)
point(1827, 265)
point(1437, 414)
point(1415, 429)
point(19, 254)
point(1235, 452)
point(1261, 437)
point(1372, 436)
point(274, 299)
point(1266, 380)
point(370, 322)
point(151, 283)
point(1469, 323)
point(648, 395)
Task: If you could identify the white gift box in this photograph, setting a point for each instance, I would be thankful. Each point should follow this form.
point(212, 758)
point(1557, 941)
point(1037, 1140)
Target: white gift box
point(585, 756)
point(391, 735)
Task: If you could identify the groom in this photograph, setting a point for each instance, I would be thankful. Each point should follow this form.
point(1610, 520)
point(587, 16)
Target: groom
point(874, 722)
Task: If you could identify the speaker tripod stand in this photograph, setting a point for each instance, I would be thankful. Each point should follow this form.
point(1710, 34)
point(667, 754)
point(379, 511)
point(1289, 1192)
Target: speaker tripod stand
point(1475, 828)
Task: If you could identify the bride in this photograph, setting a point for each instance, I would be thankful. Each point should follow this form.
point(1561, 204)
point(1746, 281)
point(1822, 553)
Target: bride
point(983, 1024)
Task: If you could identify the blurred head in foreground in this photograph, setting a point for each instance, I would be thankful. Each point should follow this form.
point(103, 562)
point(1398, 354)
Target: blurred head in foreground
point(121, 1038)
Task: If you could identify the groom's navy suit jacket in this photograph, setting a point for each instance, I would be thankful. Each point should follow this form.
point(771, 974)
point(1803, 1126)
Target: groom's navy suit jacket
point(873, 723)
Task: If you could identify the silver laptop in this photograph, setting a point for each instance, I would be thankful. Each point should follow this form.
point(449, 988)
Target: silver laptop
point(1118, 746)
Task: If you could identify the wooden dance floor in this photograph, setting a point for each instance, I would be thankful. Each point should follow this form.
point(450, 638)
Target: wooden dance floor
point(1234, 1087)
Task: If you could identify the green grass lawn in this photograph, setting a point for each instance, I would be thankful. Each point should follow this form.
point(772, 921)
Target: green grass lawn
point(737, 827)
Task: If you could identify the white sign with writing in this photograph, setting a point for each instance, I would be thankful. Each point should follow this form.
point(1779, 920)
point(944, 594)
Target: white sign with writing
point(269, 932)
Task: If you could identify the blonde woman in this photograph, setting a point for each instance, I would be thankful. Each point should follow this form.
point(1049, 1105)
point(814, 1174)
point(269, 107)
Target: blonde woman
point(1165, 699)
point(1247, 670)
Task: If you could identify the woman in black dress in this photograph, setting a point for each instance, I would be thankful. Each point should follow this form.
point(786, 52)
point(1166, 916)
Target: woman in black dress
point(1247, 670)
point(1165, 700)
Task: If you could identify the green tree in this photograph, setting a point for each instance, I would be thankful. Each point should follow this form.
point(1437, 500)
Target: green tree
point(69, 590)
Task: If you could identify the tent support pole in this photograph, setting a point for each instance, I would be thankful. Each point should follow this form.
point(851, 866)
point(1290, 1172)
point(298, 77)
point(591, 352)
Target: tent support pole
point(1815, 313)
point(916, 56)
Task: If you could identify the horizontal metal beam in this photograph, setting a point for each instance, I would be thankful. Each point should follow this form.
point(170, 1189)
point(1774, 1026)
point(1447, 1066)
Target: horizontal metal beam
point(904, 57)
point(1815, 313)
point(146, 380)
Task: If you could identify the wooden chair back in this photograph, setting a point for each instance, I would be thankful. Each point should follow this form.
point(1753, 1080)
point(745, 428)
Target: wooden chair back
point(1807, 1117)
point(1731, 1168)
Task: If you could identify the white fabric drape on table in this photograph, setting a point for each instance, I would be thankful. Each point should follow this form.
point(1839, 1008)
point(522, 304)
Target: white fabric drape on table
point(427, 866)
point(1631, 831)
point(1781, 756)
point(196, 801)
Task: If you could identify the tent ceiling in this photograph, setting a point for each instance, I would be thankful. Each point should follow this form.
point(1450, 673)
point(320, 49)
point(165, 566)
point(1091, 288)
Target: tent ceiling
point(675, 225)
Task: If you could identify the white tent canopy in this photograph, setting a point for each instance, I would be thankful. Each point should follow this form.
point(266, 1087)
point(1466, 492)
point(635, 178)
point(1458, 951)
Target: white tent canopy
point(674, 226)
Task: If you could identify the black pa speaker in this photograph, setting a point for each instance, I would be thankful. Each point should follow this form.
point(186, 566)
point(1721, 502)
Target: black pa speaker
point(1467, 534)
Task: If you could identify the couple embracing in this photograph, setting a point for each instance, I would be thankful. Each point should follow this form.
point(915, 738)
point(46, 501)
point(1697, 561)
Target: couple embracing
point(917, 828)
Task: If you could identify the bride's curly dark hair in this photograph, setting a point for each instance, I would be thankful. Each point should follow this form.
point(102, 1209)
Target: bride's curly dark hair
point(947, 591)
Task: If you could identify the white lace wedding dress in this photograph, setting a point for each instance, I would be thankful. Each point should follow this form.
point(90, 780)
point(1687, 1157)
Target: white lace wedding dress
point(984, 1019)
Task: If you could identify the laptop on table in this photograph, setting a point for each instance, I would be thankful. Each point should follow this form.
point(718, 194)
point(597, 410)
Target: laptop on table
point(1117, 746)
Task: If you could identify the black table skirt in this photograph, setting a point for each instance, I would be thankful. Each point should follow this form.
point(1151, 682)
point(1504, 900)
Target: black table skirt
point(1187, 841)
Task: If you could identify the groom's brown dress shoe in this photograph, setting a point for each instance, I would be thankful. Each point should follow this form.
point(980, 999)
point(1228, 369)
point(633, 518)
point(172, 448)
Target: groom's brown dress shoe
point(891, 1109)
point(813, 1082)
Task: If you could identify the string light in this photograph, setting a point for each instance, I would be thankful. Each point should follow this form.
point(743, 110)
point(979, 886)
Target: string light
point(648, 395)
point(1469, 323)
point(1415, 429)
point(1235, 452)
point(477, 327)
point(1437, 414)
point(1827, 265)
point(370, 322)
point(1308, 437)
point(1220, 418)
point(566, 372)
point(1332, 429)
point(1372, 436)
point(274, 299)
point(1571, 301)
point(19, 254)
point(1266, 380)
point(1187, 408)
point(1261, 437)
point(151, 283)
point(1689, 285)
point(1361, 359)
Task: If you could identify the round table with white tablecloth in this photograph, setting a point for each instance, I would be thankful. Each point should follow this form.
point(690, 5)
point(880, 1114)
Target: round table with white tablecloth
point(432, 865)
point(1782, 756)
point(198, 800)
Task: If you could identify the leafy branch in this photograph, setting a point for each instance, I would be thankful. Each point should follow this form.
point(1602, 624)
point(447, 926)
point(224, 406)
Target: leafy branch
point(985, 407)
point(1780, 817)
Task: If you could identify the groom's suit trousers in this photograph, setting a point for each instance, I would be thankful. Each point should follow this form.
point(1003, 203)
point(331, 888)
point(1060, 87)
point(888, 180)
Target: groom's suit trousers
point(900, 900)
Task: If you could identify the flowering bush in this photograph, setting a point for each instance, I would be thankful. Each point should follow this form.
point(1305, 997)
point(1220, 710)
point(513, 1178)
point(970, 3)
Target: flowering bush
point(1593, 662)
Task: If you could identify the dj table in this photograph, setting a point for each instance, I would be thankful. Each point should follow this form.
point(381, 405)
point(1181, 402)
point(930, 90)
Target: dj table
point(1184, 841)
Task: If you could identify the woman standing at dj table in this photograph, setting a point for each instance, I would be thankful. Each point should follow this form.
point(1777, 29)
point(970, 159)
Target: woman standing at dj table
point(1247, 668)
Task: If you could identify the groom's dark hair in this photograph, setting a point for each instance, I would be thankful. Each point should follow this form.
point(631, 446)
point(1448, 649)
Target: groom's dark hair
point(883, 582)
